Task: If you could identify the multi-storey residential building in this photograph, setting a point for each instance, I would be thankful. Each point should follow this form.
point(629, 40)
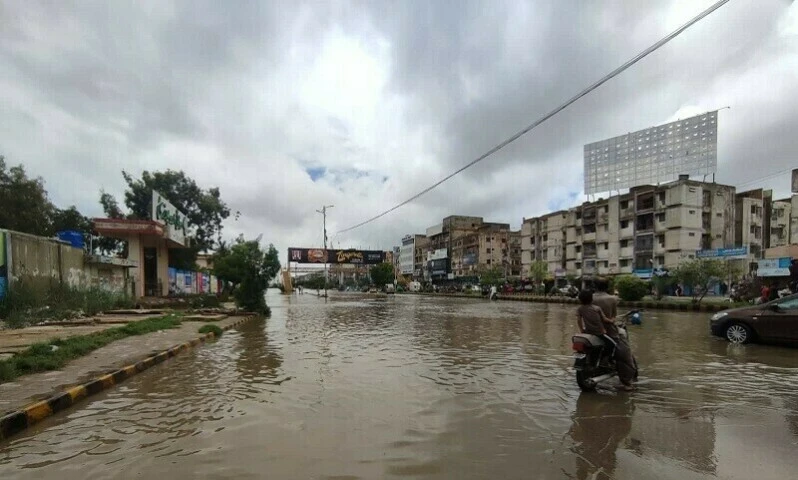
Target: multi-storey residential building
point(407, 254)
point(750, 221)
point(780, 220)
point(648, 227)
point(420, 248)
point(515, 253)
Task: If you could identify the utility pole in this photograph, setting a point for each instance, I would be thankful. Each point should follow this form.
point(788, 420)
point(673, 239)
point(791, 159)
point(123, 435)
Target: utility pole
point(323, 212)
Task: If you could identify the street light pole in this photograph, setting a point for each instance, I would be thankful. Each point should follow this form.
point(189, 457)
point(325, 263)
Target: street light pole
point(323, 212)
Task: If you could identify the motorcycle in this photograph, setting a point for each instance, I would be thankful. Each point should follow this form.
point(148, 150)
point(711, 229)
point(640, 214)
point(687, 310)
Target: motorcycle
point(593, 355)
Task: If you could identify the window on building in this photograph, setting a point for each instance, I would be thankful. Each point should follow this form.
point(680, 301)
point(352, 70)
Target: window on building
point(624, 243)
point(691, 234)
point(606, 228)
point(624, 204)
point(487, 261)
point(691, 212)
point(661, 197)
point(719, 215)
point(660, 217)
point(624, 223)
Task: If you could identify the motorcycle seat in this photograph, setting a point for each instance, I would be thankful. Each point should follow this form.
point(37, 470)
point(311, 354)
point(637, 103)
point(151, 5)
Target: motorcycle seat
point(592, 340)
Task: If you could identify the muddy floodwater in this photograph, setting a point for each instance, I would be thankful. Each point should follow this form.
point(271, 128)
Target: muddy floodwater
point(401, 386)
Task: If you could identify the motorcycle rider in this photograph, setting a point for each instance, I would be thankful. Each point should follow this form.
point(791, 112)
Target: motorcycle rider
point(609, 305)
point(593, 321)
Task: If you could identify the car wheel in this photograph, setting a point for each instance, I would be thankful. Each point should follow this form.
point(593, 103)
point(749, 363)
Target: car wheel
point(738, 333)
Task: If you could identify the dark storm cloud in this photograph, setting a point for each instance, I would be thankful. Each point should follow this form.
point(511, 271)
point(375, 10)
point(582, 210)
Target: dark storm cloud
point(232, 92)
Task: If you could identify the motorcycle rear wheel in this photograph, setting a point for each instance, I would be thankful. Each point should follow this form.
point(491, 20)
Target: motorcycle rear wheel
point(583, 379)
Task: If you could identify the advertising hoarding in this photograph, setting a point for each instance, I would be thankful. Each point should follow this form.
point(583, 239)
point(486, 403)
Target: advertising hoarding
point(726, 253)
point(319, 255)
point(774, 267)
point(653, 155)
point(175, 221)
point(438, 266)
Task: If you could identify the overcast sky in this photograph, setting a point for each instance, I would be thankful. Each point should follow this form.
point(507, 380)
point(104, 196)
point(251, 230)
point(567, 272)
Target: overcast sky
point(290, 105)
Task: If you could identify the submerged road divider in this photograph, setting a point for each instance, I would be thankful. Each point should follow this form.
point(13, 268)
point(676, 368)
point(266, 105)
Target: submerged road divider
point(17, 421)
point(644, 304)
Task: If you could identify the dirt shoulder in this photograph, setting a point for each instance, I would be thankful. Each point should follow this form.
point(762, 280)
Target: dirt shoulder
point(126, 351)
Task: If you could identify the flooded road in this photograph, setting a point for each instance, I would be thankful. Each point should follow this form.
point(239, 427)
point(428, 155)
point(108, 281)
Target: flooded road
point(406, 386)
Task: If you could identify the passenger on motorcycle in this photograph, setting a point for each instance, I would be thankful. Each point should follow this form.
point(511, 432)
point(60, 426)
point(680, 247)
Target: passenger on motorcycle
point(593, 321)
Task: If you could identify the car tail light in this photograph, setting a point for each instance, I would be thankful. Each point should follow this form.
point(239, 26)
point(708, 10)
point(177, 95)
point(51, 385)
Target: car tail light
point(579, 347)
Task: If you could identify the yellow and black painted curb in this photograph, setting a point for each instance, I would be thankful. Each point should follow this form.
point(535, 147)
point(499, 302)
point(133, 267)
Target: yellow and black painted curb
point(16, 421)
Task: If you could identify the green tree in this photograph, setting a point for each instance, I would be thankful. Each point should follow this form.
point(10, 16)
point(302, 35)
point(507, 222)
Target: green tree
point(249, 269)
point(700, 274)
point(538, 271)
point(27, 208)
point(24, 205)
point(204, 209)
point(381, 274)
point(631, 288)
point(492, 276)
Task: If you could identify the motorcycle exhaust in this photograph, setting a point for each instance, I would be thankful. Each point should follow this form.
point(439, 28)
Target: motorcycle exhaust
point(601, 378)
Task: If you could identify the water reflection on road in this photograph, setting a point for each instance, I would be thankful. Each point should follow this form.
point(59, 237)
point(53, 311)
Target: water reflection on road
point(398, 386)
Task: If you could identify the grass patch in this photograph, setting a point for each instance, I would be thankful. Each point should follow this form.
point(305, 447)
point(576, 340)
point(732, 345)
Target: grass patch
point(52, 355)
point(209, 327)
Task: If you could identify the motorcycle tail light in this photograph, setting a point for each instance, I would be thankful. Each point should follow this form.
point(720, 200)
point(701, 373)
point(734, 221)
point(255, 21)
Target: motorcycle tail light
point(579, 347)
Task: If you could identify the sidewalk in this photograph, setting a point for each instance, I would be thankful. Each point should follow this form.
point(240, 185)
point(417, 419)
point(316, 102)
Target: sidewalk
point(122, 353)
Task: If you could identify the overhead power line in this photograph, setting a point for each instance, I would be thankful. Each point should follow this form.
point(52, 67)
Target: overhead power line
point(554, 112)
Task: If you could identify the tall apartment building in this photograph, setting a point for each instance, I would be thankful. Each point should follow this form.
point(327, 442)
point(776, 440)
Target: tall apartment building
point(781, 213)
point(473, 245)
point(648, 227)
point(407, 254)
point(420, 248)
point(751, 225)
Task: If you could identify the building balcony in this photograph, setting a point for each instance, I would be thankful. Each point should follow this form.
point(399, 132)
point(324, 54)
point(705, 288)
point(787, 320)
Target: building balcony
point(626, 252)
point(603, 254)
point(589, 237)
point(627, 232)
point(626, 213)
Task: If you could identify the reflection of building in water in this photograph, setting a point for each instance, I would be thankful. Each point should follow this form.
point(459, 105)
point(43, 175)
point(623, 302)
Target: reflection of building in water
point(688, 438)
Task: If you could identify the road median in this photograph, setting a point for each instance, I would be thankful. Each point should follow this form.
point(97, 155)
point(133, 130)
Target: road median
point(685, 306)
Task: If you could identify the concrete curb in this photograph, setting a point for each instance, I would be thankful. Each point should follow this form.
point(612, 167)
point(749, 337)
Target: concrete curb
point(645, 304)
point(17, 421)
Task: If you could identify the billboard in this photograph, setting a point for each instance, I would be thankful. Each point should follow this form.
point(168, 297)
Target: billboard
point(653, 155)
point(175, 222)
point(319, 255)
point(775, 267)
point(727, 253)
point(438, 266)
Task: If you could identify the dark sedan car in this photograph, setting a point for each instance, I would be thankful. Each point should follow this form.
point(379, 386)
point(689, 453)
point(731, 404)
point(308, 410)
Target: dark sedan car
point(771, 322)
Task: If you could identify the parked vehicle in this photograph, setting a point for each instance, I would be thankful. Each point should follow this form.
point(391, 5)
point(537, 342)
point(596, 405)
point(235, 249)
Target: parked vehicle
point(593, 356)
point(389, 288)
point(772, 322)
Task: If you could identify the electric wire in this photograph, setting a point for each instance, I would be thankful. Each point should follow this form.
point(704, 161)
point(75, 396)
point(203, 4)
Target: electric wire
point(551, 114)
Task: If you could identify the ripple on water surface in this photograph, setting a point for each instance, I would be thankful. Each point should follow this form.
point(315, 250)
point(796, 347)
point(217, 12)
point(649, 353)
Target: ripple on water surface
point(363, 386)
